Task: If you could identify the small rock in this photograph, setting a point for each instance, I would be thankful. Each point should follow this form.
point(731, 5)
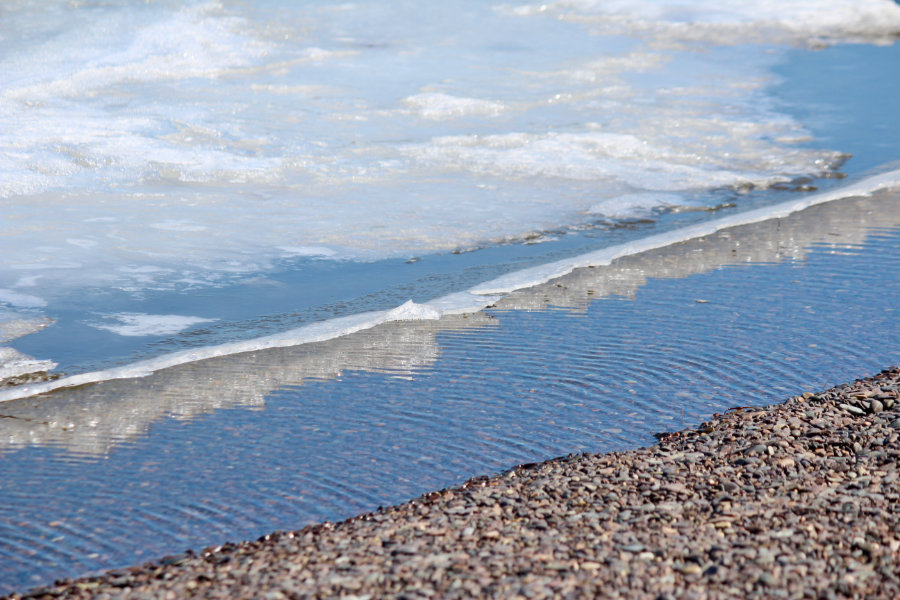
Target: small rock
point(826, 529)
point(406, 549)
point(690, 569)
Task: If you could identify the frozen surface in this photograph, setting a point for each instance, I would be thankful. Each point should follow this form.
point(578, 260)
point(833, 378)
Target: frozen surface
point(213, 216)
point(536, 275)
point(316, 332)
point(472, 300)
point(719, 21)
point(140, 324)
point(171, 147)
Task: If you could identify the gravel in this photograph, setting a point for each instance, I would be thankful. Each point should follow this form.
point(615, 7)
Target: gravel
point(798, 500)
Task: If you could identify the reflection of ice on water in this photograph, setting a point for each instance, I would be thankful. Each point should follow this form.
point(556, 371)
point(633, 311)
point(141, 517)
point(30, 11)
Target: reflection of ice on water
point(92, 419)
point(841, 225)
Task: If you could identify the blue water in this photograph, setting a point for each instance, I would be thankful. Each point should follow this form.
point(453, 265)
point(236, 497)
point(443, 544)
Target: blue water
point(252, 169)
point(148, 467)
point(822, 89)
point(108, 475)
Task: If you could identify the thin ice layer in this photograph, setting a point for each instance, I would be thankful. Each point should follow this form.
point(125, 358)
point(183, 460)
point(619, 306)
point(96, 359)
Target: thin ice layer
point(729, 21)
point(16, 367)
point(470, 301)
point(170, 147)
point(167, 147)
point(142, 324)
point(527, 278)
point(315, 332)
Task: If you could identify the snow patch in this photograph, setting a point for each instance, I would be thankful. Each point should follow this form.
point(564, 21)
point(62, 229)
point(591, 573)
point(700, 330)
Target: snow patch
point(141, 324)
point(21, 300)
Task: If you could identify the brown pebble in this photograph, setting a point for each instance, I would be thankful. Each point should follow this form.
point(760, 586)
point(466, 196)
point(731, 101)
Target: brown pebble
point(793, 500)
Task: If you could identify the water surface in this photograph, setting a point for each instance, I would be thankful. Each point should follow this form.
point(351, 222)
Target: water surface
point(231, 448)
point(192, 177)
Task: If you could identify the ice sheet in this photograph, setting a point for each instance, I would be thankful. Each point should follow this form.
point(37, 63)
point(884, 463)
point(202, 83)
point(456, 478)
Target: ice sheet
point(141, 324)
point(472, 300)
point(202, 140)
point(725, 21)
point(535, 276)
point(166, 148)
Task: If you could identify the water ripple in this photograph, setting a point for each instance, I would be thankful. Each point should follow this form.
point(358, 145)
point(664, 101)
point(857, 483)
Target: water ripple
point(120, 472)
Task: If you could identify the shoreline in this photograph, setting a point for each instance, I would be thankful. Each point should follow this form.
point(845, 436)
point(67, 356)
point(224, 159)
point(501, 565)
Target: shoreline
point(798, 498)
point(496, 291)
point(96, 417)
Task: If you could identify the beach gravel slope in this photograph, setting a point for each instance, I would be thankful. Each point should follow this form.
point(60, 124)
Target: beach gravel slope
point(797, 500)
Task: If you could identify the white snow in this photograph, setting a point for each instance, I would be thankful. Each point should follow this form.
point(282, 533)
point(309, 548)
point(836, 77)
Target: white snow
point(141, 324)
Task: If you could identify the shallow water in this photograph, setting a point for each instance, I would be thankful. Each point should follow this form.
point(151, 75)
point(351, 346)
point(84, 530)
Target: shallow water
point(510, 141)
point(119, 472)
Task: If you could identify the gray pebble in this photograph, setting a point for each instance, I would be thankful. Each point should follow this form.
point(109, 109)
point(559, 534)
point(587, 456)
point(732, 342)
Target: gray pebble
point(794, 500)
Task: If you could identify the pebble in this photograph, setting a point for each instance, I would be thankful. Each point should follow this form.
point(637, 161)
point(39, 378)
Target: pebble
point(853, 409)
point(793, 500)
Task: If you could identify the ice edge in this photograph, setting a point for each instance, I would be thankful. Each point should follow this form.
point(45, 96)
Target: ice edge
point(533, 276)
point(472, 300)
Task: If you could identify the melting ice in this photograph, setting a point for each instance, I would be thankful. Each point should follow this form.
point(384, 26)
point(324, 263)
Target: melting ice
point(173, 145)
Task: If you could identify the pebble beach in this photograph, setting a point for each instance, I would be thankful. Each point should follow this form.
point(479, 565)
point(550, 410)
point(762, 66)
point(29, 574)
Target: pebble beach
point(798, 499)
point(300, 270)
